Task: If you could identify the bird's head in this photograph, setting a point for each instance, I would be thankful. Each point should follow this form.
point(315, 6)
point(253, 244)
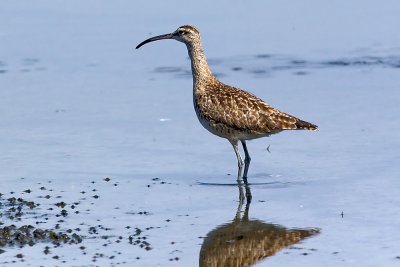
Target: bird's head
point(186, 34)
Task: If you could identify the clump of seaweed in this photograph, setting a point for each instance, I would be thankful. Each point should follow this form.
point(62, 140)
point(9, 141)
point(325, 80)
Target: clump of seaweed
point(29, 235)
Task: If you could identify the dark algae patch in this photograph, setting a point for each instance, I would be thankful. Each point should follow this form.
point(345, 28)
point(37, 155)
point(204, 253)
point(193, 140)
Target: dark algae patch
point(66, 226)
point(29, 235)
point(13, 210)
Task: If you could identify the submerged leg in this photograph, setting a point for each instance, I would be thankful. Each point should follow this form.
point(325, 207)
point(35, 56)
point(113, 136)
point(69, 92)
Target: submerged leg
point(239, 159)
point(242, 196)
point(247, 160)
point(248, 196)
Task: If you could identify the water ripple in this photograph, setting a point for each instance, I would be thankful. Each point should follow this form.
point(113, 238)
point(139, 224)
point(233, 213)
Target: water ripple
point(263, 65)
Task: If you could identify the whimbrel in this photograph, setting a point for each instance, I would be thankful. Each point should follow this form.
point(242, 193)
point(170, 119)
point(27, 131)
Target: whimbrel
point(227, 111)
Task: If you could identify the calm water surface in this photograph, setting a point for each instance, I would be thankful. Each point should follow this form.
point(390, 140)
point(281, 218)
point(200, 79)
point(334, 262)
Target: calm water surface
point(102, 154)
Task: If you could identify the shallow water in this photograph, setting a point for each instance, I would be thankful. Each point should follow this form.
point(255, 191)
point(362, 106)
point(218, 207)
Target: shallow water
point(80, 105)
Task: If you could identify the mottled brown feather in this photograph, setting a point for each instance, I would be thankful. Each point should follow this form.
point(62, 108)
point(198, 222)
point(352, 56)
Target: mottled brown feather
point(243, 111)
point(306, 125)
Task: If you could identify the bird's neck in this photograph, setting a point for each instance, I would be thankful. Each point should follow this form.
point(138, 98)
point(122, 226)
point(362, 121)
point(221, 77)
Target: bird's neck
point(200, 70)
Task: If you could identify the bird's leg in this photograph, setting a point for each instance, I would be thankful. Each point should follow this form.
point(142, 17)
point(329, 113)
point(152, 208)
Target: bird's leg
point(239, 159)
point(241, 197)
point(247, 160)
point(246, 210)
point(248, 195)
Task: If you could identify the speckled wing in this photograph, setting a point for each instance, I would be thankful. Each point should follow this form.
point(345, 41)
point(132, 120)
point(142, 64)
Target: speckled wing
point(244, 111)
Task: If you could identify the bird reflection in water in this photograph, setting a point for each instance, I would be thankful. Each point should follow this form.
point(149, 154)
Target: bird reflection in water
point(244, 241)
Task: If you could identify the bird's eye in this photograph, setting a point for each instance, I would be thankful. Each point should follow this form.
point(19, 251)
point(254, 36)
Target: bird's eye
point(181, 32)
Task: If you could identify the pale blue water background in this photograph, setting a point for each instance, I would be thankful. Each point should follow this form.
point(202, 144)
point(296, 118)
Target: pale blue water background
point(78, 103)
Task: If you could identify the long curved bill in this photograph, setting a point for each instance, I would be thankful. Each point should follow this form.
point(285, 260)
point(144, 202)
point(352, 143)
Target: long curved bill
point(156, 38)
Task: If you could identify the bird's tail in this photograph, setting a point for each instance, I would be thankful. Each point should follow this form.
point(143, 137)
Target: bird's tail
point(303, 125)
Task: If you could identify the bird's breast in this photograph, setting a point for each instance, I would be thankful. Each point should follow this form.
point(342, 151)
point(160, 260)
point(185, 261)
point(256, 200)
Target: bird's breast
point(212, 115)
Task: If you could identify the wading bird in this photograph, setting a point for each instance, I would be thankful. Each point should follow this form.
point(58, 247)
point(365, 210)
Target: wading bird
point(226, 111)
